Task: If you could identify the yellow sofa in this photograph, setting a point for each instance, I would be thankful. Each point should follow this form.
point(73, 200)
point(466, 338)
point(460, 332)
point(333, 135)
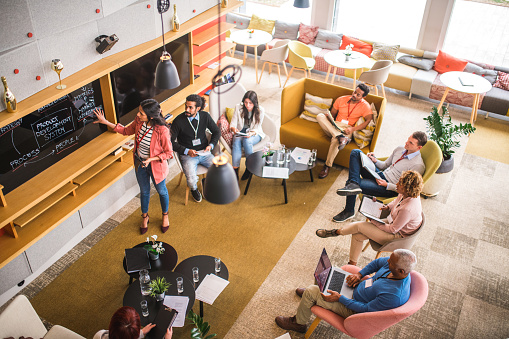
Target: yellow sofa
point(297, 132)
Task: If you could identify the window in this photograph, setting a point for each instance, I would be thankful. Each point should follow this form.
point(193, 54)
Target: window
point(389, 21)
point(278, 10)
point(479, 32)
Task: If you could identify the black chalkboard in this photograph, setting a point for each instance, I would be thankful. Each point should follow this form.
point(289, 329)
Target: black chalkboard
point(33, 143)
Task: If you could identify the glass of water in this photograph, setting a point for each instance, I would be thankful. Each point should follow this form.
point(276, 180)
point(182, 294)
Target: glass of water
point(217, 265)
point(196, 276)
point(281, 156)
point(288, 155)
point(144, 308)
point(180, 285)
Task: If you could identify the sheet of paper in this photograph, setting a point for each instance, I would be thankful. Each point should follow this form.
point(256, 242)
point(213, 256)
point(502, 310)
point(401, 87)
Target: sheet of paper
point(202, 152)
point(210, 288)
point(275, 172)
point(285, 336)
point(301, 155)
point(369, 165)
point(213, 65)
point(178, 303)
point(371, 207)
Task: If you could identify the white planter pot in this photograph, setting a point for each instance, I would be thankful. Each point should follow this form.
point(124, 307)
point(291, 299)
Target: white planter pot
point(438, 180)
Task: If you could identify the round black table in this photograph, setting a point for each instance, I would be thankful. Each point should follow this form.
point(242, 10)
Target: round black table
point(133, 296)
point(255, 164)
point(166, 261)
point(206, 265)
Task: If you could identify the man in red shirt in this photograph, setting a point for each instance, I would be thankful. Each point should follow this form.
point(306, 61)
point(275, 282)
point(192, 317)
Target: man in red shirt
point(346, 110)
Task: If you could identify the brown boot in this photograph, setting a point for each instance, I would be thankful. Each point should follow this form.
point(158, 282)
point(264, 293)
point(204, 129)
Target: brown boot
point(290, 324)
point(300, 291)
point(324, 173)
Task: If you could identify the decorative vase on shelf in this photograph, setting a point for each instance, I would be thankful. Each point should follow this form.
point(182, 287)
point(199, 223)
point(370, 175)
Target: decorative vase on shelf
point(175, 22)
point(153, 256)
point(224, 3)
point(9, 99)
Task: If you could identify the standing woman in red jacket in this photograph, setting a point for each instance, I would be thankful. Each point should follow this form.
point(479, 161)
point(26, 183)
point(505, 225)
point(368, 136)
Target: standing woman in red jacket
point(152, 148)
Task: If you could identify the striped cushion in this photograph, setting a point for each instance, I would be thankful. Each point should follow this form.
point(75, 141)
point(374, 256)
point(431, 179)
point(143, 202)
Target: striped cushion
point(363, 137)
point(315, 105)
point(384, 52)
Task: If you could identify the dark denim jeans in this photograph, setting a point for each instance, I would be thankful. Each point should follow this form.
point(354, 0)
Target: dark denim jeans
point(143, 175)
point(364, 179)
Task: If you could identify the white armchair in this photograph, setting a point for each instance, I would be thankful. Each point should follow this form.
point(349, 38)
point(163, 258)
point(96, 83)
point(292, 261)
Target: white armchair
point(274, 56)
point(231, 95)
point(20, 319)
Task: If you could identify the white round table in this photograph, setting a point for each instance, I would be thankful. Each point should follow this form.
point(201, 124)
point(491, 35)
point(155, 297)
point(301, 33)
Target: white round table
point(254, 40)
point(470, 83)
point(338, 59)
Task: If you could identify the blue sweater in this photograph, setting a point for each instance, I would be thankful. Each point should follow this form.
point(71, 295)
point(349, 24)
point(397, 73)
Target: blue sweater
point(383, 294)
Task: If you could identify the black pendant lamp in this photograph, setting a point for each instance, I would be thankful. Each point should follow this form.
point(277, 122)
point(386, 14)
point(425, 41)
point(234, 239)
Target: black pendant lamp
point(301, 3)
point(221, 186)
point(166, 73)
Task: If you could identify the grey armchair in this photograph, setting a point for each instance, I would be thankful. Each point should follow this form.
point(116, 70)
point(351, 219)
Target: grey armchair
point(274, 56)
point(377, 75)
point(401, 243)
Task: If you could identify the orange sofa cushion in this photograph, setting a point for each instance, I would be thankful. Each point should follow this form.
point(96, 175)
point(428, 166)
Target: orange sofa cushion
point(447, 63)
point(358, 46)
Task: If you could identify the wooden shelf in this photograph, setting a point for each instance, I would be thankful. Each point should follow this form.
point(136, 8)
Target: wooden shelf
point(38, 209)
point(211, 53)
point(92, 171)
point(35, 190)
point(52, 217)
point(211, 33)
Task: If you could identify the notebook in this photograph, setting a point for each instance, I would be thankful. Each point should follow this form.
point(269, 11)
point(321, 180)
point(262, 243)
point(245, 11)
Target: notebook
point(136, 259)
point(164, 320)
point(330, 277)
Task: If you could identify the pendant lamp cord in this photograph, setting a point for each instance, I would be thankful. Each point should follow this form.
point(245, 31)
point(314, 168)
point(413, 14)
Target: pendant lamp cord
point(162, 27)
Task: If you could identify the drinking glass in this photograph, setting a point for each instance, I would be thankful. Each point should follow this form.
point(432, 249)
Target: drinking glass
point(313, 153)
point(288, 155)
point(217, 265)
point(180, 285)
point(281, 157)
point(144, 308)
point(196, 276)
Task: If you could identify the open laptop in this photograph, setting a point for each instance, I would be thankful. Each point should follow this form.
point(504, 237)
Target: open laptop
point(330, 277)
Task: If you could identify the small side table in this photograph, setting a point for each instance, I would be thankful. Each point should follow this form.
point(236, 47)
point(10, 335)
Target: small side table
point(338, 59)
point(166, 261)
point(243, 37)
point(479, 85)
point(206, 265)
point(133, 296)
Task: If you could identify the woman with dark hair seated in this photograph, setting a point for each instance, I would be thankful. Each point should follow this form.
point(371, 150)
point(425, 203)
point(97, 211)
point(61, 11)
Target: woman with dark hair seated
point(152, 148)
point(125, 324)
point(248, 118)
point(405, 218)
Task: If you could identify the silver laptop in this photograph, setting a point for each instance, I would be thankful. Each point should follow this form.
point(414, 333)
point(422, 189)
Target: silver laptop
point(332, 278)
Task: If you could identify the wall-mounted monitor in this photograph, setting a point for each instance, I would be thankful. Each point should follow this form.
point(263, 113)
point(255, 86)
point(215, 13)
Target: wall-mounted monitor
point(134, 82)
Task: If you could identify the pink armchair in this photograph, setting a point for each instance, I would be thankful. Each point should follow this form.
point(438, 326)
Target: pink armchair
point(366, 325)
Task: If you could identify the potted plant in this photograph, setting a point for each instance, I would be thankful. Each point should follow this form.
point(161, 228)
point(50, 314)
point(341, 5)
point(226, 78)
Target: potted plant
point(268, 153)
point(348, 52)
point(154, 248)
point(159, 287)
point(201, 329)
point(442, 131)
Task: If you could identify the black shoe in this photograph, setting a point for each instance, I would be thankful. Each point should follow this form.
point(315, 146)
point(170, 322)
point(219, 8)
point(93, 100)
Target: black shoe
point(343, 216)
point(196, 195)
point(246, 175)
point(351, 188)
point(236, 173)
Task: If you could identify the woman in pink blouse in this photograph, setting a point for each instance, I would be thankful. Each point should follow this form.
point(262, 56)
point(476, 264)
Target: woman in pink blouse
point(151, 153)
point(405, 218)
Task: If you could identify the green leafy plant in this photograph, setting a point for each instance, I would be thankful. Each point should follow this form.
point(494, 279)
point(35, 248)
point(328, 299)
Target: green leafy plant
point(159, 286)
point(444, 132)
point(201, 329)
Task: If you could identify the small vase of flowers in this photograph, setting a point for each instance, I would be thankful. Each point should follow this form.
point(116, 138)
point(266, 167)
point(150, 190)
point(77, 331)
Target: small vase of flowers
point(250, 32)
point(153, 248)
point(348, 52)
point(268, 154)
